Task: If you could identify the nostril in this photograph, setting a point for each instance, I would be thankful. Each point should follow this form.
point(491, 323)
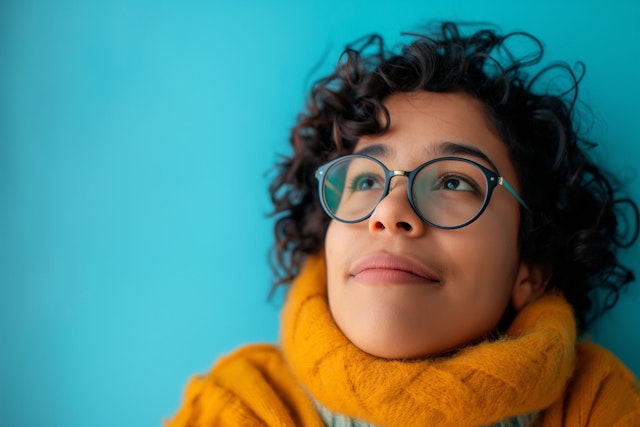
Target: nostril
point(405, 226)
point(379, 225)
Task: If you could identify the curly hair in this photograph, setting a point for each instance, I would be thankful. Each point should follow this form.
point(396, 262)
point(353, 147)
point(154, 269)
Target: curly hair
point(578, 221)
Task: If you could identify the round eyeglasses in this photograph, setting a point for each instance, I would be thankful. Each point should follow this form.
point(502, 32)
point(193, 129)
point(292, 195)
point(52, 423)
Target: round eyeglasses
point(448, 192)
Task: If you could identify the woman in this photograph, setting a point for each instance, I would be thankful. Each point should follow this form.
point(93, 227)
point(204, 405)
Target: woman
point(447, 237)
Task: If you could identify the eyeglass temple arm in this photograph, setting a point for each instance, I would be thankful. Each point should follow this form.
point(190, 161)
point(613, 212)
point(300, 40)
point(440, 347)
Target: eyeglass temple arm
point(505, 184)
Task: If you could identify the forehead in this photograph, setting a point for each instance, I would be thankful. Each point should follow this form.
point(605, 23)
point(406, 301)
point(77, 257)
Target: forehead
point(423, 123)
point(448, 109)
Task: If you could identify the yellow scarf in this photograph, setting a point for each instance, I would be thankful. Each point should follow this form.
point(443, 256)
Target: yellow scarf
point(523, 372)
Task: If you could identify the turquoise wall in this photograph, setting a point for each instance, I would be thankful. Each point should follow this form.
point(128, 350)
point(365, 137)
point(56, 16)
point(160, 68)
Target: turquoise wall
point(134, 139)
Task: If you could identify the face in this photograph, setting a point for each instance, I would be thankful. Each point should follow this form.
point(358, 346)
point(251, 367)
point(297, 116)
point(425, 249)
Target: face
point(399, 288)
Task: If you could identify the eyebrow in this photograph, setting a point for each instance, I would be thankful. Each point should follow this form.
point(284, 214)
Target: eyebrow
point(457, 149)
point(446, 148)
point(376, 150)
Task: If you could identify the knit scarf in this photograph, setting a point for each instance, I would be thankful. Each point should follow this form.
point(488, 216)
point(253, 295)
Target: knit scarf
point(524, 371)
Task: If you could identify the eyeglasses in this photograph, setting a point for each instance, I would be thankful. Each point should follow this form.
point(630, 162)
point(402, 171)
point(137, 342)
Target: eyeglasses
point(448, 192)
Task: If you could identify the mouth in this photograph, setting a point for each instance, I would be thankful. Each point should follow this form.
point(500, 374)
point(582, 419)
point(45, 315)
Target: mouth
point(385, 268)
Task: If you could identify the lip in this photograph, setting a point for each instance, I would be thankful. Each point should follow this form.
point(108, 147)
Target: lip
point(386, 268)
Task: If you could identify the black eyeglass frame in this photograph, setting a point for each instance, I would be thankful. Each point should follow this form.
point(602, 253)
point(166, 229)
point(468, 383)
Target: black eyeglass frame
point(493, 180)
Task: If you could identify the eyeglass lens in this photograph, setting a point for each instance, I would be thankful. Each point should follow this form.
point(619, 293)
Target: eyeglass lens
point(446, 193)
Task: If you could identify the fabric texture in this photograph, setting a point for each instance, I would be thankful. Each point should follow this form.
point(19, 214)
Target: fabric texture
point(335, 419)
point(535, 368)
point(251, 387)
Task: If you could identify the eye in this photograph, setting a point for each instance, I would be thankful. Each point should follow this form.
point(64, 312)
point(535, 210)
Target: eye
point(365, 182)
point(456, 183)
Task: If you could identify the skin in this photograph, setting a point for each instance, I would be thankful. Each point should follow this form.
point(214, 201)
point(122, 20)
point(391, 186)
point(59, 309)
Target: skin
point(468, 277)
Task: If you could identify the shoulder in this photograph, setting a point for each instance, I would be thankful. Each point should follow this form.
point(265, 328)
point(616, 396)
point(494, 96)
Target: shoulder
point(599, 363)
point(251, 386)
point(605, 384)
point(601, 392)
point(600, 374)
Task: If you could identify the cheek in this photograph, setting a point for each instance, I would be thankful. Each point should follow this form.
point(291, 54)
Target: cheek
point(336, 245)
point(488, 251)
point(336, 255)
point(484, 263)
point(333, 243)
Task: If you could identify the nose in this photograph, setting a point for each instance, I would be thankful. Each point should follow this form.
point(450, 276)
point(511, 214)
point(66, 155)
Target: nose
point(395, 215)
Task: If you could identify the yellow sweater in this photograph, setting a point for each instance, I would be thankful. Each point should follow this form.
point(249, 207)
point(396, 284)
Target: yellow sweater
point(535, 367)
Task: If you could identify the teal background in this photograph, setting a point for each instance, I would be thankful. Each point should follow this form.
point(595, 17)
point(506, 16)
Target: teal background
point(134, 142)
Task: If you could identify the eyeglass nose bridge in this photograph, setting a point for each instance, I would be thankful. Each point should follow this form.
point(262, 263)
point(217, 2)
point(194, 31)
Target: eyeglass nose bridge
point(410, 175)
point(393, 174)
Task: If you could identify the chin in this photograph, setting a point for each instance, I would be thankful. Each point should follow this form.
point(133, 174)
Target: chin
point(394, 348)
point(398, 351)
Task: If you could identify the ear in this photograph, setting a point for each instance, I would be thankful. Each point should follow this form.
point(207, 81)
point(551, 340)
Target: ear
point(531, 282)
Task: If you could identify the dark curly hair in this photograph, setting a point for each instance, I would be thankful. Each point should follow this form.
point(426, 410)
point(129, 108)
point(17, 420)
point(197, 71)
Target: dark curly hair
point(578, 220)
